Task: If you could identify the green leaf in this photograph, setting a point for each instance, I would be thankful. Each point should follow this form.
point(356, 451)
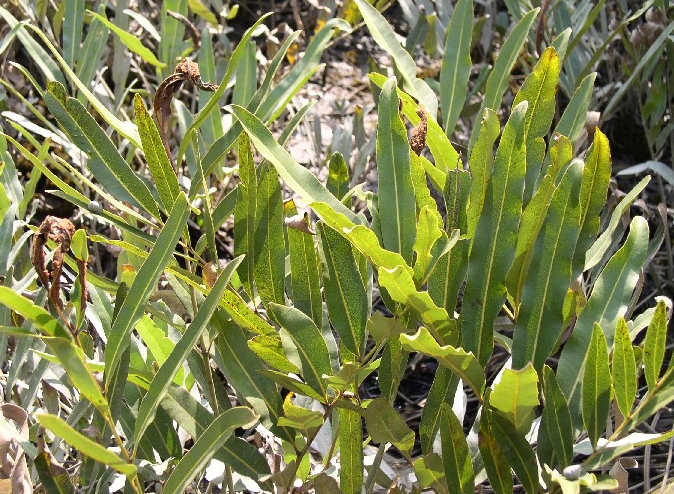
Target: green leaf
point(595, 253)
point(555, 431)
point(443, 391)
point(85, 445)
point(463, 364)
point(242, 368)
point(164, 377)
point(270, 349)
point(269, 245)
point(429, 231)
point(495, 462)
point(499, 77)
point(130, 41)
point(105, 162)
point(244, 214)
point(516, 397)
point(623, 367)
point(540, 320)
point(539, 89)
point(244, 316)
point(164, 175)
point(302, 419)
point(446, 157)
point(246, 78)
point(395, 190)
point(338, 176)
point(607, 304)
point(496, 235)
point(297, 178)
point(385, 426)
point(456, 64)
point(37, 316)
point(206, 445)
point(430, 473)
point(456, 457)
point(144, 284)
point(596, 176)
point(596, 388)
point(654, 345)
point(55, 479)
point(313, 351)
point(400, 287)
point(517, 451)
point(614, 449)
point(292, 384)
point(481, 162)
point(361, 237)
point(344, 291)
point(125, 128)
point(73, 22)
point(573, 119)
point(386, 38)
point(74, 362)
point(383, 328)
point(305, 268)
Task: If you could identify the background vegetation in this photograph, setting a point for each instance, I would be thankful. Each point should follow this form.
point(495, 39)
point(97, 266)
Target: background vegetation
point(461, 279)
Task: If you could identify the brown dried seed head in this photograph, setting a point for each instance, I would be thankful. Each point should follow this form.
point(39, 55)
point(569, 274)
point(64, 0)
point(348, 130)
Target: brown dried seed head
point(418, 140)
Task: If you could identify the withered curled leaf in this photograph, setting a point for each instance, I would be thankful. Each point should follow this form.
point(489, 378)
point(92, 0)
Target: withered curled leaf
point(186, 70)
point(418, 140)
point(61, 231)
point(300, 222)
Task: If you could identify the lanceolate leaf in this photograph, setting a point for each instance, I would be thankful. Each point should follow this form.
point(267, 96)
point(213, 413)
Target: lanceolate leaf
point(456, 64)
point(385, 37)
point(497, 83)
point(496, 235)
point(269, 252)
point(313, 351)
point(596, 394)
point(495, 462)
point(144, 284)
point(85, 445)
point(516, 449)
point(541, 320)
point(206, 445)
point(396, 193)
point(386, 426)
point(351, 452)
point(157, 160)
point(596, 175)
point(242, 369)
point(516, 397)
point(442, 392)
point(305, 268)
point(244, 214)
point(130, 41)
point(654, 345)
point(539, 90)
point(297, 177)
point(345, 294)
point(623, 367)
point(455, 454)
point(104, 159)
point(595, 254)
point(463, 364)
point(164, 377)
point(429, 231)
point(242, 456)
point(555, 431)
point(574, 116)
point(338, 176)
point(481, 162)
point(607, 303)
